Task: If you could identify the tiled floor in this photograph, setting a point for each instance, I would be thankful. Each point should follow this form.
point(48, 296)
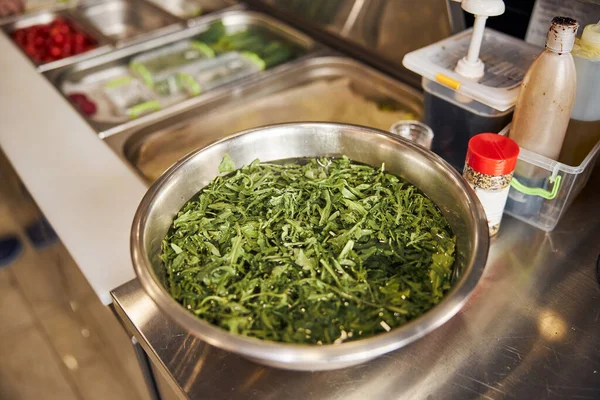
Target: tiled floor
point(57, 341)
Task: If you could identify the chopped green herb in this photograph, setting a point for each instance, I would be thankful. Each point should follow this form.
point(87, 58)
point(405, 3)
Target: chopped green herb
point(227, 164)
point(315, 252)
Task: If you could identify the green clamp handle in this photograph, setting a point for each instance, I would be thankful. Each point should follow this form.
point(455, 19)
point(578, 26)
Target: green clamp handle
point(122, 80)
point(148, 106)
point(254, 58)
point(190, 84)
point(546, 194)
point(141, 71)
point(203, 48)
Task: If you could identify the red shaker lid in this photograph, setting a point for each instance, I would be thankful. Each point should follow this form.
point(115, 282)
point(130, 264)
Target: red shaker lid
point(492, 154)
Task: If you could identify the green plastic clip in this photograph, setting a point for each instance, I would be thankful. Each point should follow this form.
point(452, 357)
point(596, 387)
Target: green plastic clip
point(143, 73)
point(546, 194)
point(148, 106)
point(253, 57)
point(203, 48)
point(122, 80)
point(190, 84)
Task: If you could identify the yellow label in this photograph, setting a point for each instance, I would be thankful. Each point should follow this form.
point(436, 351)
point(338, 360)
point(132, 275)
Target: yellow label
point(447, 81)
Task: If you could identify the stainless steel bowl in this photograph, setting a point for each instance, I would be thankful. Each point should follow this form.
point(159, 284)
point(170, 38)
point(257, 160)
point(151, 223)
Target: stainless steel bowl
point(428, 172)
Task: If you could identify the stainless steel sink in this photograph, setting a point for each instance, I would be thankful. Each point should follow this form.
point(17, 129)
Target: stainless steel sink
point(324, 89)
point(128, 21)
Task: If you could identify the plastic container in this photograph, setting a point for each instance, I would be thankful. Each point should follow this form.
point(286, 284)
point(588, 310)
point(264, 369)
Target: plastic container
point(130, 97)
point(459, 107)
point(159, 68)
point(223, 69)
point(543, 109)
point(583, 131)
point(560, 185)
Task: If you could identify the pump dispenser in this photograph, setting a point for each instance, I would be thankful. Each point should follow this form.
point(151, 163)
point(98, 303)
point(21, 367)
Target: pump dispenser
point(471, 81)
point(471, 66)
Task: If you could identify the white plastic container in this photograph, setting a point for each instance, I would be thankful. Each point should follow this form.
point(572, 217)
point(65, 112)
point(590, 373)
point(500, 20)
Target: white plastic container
point(561, 185)
point(221, 70)
point(584, 127)
point(130, 97)
point(459, 107)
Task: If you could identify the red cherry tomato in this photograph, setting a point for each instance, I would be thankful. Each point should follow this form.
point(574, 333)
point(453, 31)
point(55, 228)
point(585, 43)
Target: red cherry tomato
point(79, 38)
point(55, 52)
point(78, 98)
point(67, 49)
point(39, 41)
point(88, 108)
point(31, 50)
point(54, 31)
point(65, 29)
point(59, 38)
point(30, 36)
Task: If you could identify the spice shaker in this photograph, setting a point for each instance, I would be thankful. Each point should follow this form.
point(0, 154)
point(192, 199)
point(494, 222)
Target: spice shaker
point(489, 166)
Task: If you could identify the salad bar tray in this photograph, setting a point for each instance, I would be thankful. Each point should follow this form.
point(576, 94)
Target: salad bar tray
point(53, 39)
point(146, 82)
point(125, 22)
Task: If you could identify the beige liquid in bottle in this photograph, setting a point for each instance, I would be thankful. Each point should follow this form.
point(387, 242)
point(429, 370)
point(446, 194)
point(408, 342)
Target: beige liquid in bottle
point(547, 94)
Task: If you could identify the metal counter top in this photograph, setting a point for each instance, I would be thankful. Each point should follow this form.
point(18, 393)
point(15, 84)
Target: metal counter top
point(531, 330)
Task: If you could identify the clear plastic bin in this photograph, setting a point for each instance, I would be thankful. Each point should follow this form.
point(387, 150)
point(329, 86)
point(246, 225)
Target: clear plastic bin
point(543, 203)
point(158, 68)
point(219, 71)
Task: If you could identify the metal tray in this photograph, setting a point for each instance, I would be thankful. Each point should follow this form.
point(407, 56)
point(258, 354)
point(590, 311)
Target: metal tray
point(297, 94)
point(129, 21)
point(96, 69)
point(31, 8)
point(188, 9)
point(45, 17)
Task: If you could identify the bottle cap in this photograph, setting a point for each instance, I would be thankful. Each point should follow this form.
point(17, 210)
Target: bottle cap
point(561, 35)
point(492, 154)
point(591, 35)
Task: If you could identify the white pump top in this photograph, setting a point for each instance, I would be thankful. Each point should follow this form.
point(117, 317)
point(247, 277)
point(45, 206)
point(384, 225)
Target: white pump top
point(455, 63)
point(471, 65)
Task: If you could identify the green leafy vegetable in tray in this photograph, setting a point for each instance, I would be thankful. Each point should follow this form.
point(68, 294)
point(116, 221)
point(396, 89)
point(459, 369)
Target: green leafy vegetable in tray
point(272, 51)
point(314, 251)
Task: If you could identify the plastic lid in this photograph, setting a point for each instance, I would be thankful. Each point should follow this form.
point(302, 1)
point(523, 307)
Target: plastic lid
point(591, 35)
point(589, 44)
point(492, 154)
point(506, 59)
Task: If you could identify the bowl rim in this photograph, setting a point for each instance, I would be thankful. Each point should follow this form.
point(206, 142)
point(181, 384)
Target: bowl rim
point(288, 353)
